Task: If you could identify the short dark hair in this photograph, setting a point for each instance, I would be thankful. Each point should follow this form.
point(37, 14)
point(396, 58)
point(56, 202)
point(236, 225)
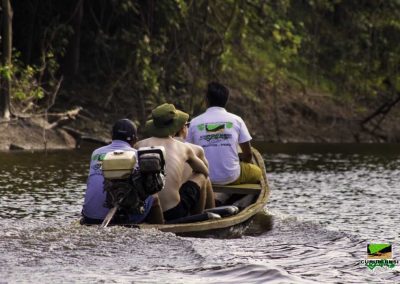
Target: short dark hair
point(217, 94)
point(124, 129)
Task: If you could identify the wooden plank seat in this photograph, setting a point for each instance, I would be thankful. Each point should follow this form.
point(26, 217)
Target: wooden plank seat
point(246, 188)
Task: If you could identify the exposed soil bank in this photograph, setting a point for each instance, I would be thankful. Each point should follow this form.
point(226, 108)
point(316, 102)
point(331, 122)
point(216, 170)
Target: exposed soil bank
point(29, 135)
point(314, 117)
point(294, 117)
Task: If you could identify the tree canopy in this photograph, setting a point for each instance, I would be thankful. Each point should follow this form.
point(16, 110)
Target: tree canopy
point(147, 52)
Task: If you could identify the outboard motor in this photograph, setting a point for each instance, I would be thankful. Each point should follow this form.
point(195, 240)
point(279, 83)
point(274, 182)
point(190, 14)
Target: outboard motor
point(129, 182)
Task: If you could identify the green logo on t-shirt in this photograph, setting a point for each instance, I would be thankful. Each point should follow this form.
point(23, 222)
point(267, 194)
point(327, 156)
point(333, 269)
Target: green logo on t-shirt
point(98, 157)
point(215, 127)
point(200, 127)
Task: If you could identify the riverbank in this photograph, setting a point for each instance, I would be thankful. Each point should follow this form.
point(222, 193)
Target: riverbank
point(313, 117)
point(30, 134)
point(296, 117)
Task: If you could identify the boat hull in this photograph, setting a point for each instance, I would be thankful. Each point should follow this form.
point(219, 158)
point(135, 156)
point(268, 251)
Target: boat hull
point(254, 196)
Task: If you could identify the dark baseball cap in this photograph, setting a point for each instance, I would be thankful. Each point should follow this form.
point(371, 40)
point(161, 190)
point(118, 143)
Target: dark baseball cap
point(124, 129)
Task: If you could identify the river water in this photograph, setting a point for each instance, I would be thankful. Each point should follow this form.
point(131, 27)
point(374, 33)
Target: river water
point(327, 204)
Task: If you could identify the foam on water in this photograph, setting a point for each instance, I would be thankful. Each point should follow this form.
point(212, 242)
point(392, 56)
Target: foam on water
point(49, 252)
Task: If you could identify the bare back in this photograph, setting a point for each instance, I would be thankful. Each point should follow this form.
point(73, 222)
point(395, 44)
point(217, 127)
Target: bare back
point(178, 155)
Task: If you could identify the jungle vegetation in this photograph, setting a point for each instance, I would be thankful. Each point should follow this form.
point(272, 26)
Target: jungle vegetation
point(146, 52)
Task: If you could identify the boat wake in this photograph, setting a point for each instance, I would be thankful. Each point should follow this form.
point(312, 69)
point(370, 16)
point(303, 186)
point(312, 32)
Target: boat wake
point(250, 273)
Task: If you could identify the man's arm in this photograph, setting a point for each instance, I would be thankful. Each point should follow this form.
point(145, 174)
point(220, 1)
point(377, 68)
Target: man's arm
point(246, 155)
point(197, 165)
point(198, 150)
point(203, 157)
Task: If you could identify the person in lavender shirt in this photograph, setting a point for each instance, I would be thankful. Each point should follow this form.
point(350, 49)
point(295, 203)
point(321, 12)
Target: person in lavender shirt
point(124, 136)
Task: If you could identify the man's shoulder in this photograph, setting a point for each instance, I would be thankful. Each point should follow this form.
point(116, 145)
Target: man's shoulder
point(195, 147)
point(182, 144)
point(181, 147)
point(202, 118)
point(151, 141)
point(207, 116)
point(155, 141)
point(234, 115)
point(98, 153)
point(198, 118)
point(103, 149)
point(147, 142)
point(112, 147)
point(141, 142)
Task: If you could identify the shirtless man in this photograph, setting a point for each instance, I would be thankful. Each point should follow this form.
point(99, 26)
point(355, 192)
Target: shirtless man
point(181, 196)
point(199, 152)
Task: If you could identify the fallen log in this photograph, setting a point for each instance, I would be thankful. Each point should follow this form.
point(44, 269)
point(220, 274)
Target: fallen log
point(63, 118)
point(97, 140)
point(14, 147)
point(81, 136)
point(375, 119)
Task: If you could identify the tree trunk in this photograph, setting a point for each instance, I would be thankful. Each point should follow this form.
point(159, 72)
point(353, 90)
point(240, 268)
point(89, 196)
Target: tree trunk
point(30, 38)
point(6, 60)
point(73, 55)
point(276, 112)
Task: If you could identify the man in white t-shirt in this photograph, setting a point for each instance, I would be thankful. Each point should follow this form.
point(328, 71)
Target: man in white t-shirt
point(219, 132)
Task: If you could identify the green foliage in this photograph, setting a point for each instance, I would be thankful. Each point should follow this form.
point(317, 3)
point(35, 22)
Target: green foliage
point(27, 87)
point(5, 72)
point(352, 44)
point(147, 52)
point(262, 48)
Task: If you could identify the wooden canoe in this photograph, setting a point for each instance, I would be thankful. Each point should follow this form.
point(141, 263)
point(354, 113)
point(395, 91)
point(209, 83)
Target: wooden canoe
point(231, 226)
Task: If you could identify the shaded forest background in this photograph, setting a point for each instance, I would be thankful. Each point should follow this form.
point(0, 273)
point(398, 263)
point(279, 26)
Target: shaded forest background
point(304, 70)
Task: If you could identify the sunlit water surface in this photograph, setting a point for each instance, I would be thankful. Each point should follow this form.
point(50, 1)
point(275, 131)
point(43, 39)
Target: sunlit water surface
point(326, 207)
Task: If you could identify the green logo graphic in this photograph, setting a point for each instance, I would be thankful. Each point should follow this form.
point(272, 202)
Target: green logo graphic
point(215, 137)
point(215, 127)
point(379, 251)
point(98, 157)
point(201, 127)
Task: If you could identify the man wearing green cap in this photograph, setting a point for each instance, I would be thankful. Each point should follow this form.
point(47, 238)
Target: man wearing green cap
point(180, 196)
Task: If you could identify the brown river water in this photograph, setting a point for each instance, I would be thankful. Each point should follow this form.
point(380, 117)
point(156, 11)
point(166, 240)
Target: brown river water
point(328, 202)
